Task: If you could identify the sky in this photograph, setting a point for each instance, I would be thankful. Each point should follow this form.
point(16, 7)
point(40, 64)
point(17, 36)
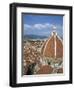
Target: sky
point(42, 25)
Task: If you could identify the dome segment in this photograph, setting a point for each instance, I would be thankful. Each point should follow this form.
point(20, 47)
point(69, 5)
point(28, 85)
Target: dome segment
point(53, 47)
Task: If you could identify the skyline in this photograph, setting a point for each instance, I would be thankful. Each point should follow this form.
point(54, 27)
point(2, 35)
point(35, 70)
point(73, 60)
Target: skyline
point(42, 25)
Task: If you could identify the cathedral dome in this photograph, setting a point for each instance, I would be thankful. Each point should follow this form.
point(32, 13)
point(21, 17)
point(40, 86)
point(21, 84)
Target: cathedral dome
point(53, 47)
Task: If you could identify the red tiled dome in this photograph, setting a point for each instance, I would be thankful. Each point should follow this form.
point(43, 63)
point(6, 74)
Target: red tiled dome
point(53, 47)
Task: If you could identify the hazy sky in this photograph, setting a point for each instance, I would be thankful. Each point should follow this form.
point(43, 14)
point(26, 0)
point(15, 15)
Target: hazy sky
point(42, 24)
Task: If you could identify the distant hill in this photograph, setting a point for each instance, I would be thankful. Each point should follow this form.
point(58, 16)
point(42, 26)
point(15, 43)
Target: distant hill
point(34, 37)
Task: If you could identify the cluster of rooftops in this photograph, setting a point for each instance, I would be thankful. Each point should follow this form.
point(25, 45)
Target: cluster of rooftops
point(52, 48)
